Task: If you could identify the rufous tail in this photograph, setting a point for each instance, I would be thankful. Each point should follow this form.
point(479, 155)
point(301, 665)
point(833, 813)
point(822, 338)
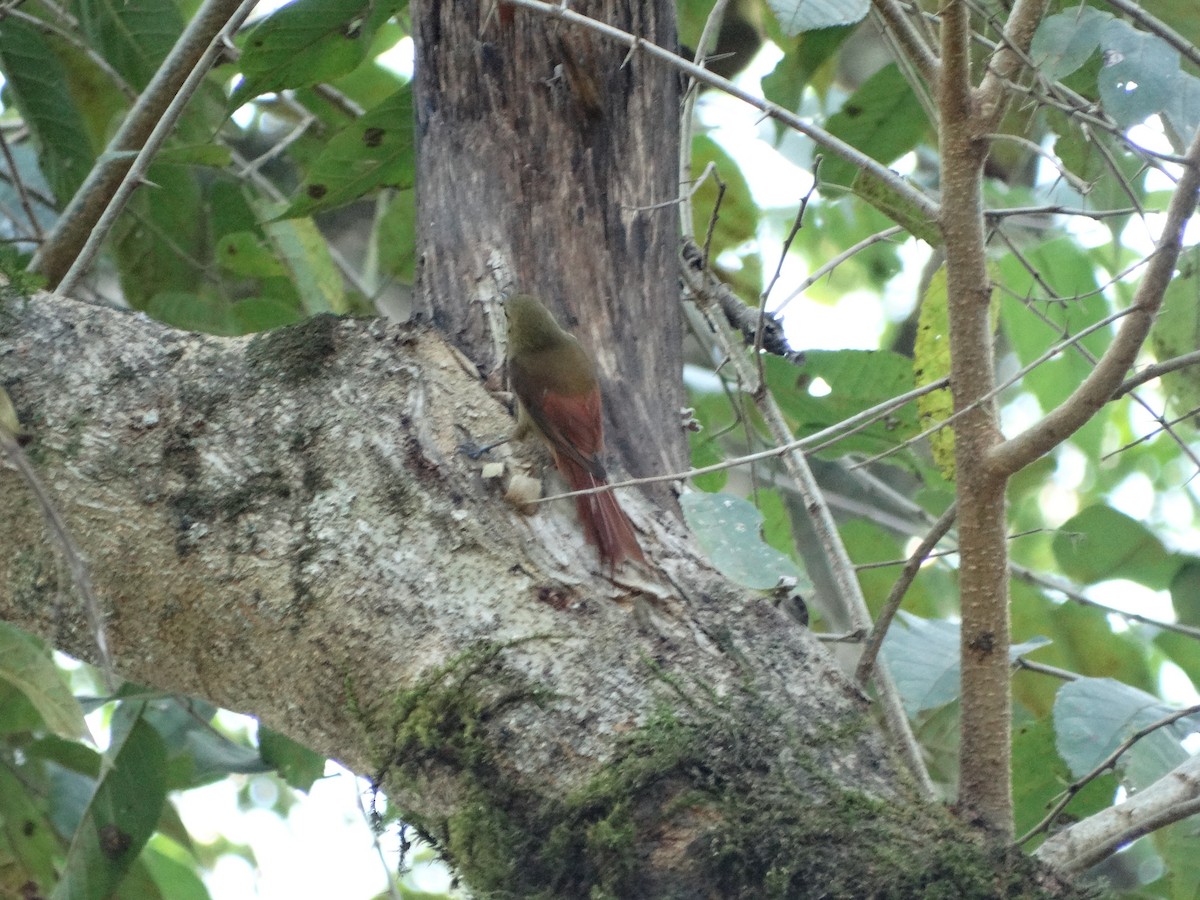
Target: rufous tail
point(604, 522)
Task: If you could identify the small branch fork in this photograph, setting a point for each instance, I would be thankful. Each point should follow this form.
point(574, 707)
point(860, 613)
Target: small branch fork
point(1103, 766)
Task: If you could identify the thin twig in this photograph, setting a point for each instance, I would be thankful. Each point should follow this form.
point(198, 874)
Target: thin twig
point(1046, 582)
point(938, 554)
point(849, 601)
point(1097, 389)
point(862, 674)
point(923, 204)
point(1103, 766)
point(133, 176)
point(1157, 370)
point(201, 38)
point(70, 551)
point(1043, 669)
point(1055, 209)
point(832, 264)
point(818, 438)
point(1164, 425)
point(1071, 178)
point(797, 224)
point(708, 39)
point(19, 183)
point(1172, 798)
point(1053, 351)
point(899, 26)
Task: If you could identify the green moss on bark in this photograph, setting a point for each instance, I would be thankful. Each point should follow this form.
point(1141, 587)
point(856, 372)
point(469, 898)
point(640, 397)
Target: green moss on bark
point(709, 795)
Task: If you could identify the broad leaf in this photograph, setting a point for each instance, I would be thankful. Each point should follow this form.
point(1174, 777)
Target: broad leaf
point(730, 531)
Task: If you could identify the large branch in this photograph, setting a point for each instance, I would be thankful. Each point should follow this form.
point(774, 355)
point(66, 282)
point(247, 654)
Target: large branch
point(1173, 797)
point(282, 525)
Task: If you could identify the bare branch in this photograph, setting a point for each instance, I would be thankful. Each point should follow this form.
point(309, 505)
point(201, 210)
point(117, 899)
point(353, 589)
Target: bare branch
point(899, 26)
point(996, 390)
point(812, 443)
point(1046, 582)
point(1157, 371)
point(35, 227)
point(78, 221)
point(832, 264)
point(849, 601)
point(1008, 59)
point(708, 38)
point(1096, 390)
point(896, 595)
point(1173, 797)
point(57, 526)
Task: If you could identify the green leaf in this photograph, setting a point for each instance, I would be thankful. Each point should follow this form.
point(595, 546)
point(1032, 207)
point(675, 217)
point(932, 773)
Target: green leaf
point(27, 666)
point(256, 314)
point(1093, 716)
point(1176, 845)
point(306, 42)
point(785, 84)
point(1100, 544)
point(296, 764)
point(245, 253)
point(212, 156)
point(1063, 43)
point(192, 312)
point(157, 241)
point(396, 237)
point(729, 529)
point(795, 16)
point(923, 657)
point(856, 380)
point(134, 36)
point(1176, 331)
point(1139, 74)
point(305, 252)
point(37, 83)
point(1183, 109)
point(896, 207)
point(1185, 593)
point(175, 878)
point(931, 362)
point(28, 833)
point(120, 816)
point(883, 119)
point(375, 151)
point(199, 754)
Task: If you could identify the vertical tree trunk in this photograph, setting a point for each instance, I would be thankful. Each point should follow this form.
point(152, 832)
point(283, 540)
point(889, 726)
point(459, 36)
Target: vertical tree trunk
point(543, 159)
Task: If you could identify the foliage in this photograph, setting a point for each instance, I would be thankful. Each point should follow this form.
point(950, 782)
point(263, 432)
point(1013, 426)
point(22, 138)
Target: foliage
point(241, 230)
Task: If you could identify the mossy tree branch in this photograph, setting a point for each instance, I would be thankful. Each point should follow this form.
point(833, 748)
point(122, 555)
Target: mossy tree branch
point(283, 525)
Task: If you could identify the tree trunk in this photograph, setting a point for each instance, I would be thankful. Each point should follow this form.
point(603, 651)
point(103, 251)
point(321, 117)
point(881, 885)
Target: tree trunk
point(548, 164)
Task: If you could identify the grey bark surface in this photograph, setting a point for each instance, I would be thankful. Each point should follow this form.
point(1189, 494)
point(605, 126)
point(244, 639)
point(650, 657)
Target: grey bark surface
point(282, 525)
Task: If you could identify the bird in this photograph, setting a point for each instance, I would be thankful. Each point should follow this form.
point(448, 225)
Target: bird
point(558, 401)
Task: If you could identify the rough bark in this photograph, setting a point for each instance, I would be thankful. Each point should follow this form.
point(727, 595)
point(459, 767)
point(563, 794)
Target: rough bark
point(282, 525)
point(541, 150)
